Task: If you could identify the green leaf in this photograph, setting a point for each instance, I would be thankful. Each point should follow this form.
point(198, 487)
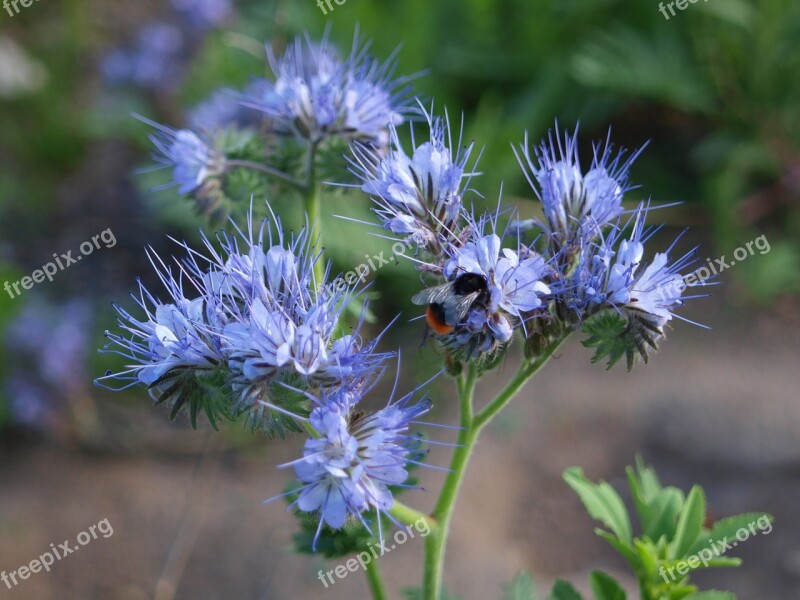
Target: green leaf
point(690, 523)
point(521, 587)
point(648, 479)
point(681, 592)
point(627, 552)
point(606, 334)
point(661, 514)
point(605, 587)
point(727, 528)
point(563, 591)
point(602, 502)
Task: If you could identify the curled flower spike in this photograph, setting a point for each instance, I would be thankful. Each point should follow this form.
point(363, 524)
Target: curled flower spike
point(193, 159)
point(259, 322)
point(349, 468)
point(317, 94)
point(418, 196)
point(613, 276)
point(576, 205)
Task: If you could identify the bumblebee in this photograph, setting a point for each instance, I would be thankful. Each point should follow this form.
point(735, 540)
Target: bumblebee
point(448, 304)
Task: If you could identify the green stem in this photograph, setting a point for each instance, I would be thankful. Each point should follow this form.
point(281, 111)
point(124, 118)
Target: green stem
point(435, 541)
point(409, 516)
point(472, 424)
point(375, 582)
point(312, 202)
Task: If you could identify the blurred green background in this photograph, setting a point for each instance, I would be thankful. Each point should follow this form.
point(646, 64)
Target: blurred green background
point(714, 89)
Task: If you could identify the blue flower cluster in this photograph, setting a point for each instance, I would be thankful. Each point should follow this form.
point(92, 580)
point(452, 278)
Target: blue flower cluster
point(249, 332)
point(317, 101)
point(317, 94)
point(257, 321)
point(578, 263)
point(357, 457)
point(250, 329)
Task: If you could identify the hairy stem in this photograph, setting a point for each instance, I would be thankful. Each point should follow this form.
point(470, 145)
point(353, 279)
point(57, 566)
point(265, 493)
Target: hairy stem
point(312, 202)
point(472, 424)
point(375, 581)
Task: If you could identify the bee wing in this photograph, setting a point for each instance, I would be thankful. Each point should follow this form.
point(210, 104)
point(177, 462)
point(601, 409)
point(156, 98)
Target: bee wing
point(457, 307)
point(438, 294)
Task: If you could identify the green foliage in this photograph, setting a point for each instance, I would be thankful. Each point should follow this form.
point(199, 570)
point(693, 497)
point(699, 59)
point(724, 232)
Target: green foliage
point(195, 390)
point(612, 335)
point(605, 587)
point(351, 539)
point(673, 543)
point(564, 591)
point(522, 587)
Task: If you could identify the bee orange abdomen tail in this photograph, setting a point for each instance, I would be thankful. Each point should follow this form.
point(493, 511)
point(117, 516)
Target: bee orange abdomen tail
point(435, 317)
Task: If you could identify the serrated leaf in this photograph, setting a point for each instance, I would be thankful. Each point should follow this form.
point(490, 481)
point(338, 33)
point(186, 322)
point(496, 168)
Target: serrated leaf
point(605, 587)
point(690, 522)
point(563, 591)
point(521, 587)
point(681, 592)
point(602, 502)
point(606, 334)
point(727, 528)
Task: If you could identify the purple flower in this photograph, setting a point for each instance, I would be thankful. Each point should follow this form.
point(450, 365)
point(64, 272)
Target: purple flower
point(514, 280)
point(317, 94)
point(154, 62)
point(259, 324)
point(576, 205)
point(418, 196)
point(204, 14)
point(220, 110)
point(612, 275)
point(357, 457)
point(193, 160)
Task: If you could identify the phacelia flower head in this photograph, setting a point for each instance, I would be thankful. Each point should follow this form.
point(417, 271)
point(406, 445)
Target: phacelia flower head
point(172, 347)
point(317, 95)
point(612, 275)
point(506, 284)
point(193, 158)
point(418, 195)
point(577, 204)
point(255, 324)
point(357, 458)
